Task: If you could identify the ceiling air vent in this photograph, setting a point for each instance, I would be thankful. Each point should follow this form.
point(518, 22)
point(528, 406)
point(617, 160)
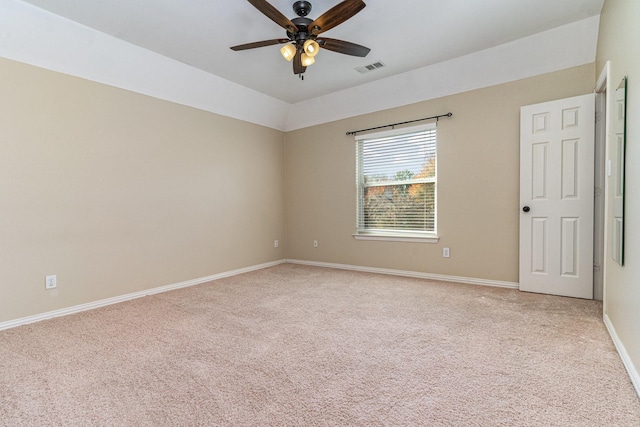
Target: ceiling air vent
point(370, 67)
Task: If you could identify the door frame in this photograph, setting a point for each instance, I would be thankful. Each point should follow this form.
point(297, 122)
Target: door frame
point(600, 188)
point(599, 212)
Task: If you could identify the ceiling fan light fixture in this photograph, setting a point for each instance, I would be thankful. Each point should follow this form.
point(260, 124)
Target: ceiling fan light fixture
point(288, 51)
point(301, 45)
point(306, 60)
point(311, 47)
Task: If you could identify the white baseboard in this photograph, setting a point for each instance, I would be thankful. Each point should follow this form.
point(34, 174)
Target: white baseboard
point(127, 297)
point(622, 351)
point(416, 274)
point(626, 360)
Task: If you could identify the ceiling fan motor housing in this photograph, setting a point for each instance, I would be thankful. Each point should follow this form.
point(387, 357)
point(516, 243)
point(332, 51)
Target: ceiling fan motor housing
point(303, 30)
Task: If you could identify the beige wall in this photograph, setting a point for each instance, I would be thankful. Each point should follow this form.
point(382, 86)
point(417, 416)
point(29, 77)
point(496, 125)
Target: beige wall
point(116, 192)
point(478, 182)
point(618, 42)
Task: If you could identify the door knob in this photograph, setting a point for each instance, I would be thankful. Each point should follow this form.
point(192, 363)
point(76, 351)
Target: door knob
point(526, 209)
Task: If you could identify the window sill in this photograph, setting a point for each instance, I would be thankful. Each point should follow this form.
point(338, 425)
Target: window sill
point(392, 237)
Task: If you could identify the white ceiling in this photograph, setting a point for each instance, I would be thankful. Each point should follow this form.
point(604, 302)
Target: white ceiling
point(406, 35)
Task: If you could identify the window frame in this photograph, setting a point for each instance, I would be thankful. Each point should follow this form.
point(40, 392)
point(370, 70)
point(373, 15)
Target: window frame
point(395, 234)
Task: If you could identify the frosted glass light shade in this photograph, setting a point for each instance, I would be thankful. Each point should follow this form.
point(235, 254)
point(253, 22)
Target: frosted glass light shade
point(288, 51)
point(306, 60)
point(311, 47)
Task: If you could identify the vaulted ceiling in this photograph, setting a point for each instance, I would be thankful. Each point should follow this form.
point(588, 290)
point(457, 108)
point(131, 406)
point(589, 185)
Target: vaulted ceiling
point(408, 37)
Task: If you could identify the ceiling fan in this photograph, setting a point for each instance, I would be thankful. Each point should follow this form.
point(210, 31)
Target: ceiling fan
point(303, 40)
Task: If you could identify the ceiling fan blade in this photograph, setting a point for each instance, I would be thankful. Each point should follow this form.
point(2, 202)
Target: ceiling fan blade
point(274, 14)
point(262, 43)
point(298, 68)
point(336, 16)
point(342, 46)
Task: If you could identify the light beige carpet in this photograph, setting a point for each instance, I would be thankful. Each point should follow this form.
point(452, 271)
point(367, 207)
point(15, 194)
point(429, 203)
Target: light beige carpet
point(303, 346)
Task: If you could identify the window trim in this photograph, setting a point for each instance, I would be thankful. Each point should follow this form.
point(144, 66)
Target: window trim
point(395, 235)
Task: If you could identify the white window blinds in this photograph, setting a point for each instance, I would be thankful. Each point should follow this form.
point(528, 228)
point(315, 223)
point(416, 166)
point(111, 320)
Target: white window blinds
point(396, 177)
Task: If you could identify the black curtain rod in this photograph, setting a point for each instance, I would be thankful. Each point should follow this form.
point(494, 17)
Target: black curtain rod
point(353, 132)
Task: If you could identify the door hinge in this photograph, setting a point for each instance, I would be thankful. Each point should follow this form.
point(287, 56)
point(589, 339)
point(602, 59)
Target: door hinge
point(597, 191)
point(596, 268)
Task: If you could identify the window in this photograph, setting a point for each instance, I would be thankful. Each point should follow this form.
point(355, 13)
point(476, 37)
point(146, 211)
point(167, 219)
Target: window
point(396, 179)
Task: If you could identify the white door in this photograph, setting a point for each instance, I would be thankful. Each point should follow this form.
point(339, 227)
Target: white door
point(556, 197)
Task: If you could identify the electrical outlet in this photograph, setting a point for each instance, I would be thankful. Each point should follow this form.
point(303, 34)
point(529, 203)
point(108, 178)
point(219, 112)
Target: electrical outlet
point(445, 252)
point(50, 282)
point(275, 243)
point(315, 243)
